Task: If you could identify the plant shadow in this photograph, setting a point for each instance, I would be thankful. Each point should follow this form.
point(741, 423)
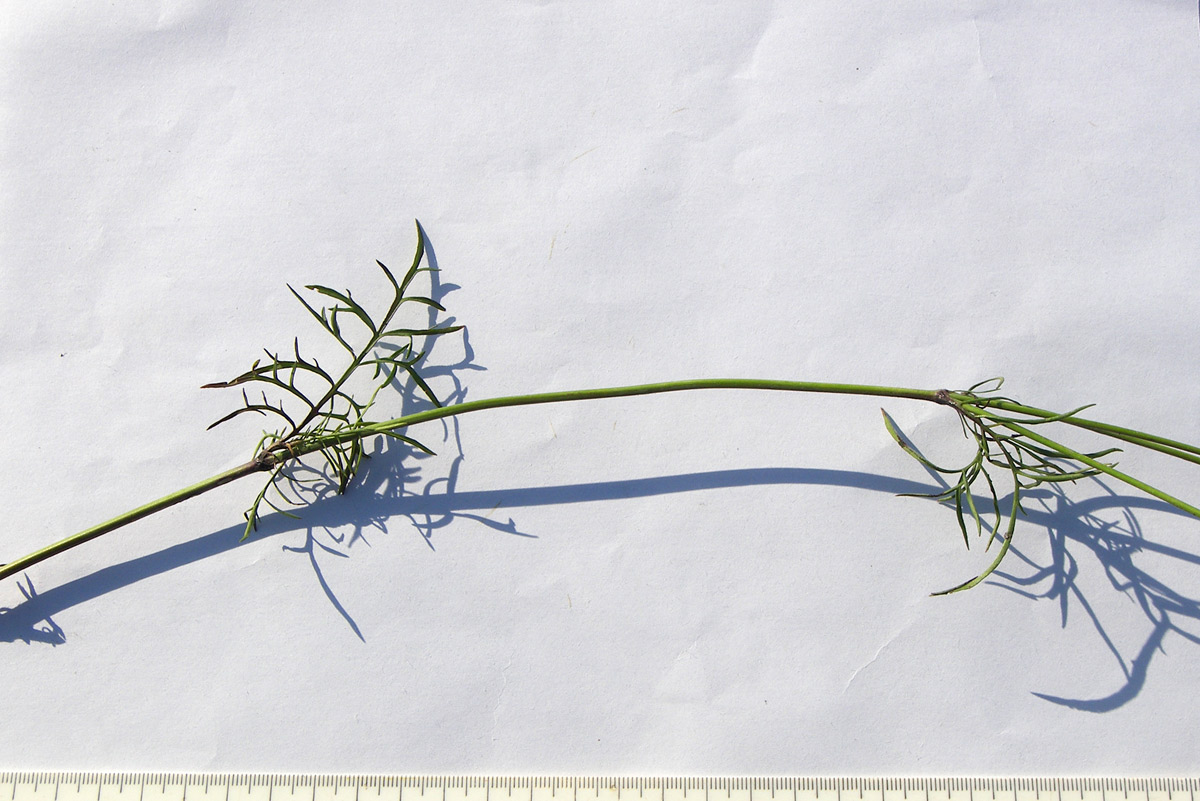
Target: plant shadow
point(331, 527)
point(1081, 526)
point(393, 484)
point(1079, 529)
point(1104, 528)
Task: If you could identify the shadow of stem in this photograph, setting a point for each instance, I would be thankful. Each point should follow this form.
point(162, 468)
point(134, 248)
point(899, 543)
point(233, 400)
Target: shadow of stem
point(1072, 527)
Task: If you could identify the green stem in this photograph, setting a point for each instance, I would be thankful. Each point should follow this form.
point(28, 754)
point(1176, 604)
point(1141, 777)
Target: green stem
point(1180, 450)
point(145, 510)
point(1107, 469)
point(366, 430)
point(269, 460)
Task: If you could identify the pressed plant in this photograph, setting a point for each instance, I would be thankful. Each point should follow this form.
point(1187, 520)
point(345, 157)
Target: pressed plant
point(326, 416)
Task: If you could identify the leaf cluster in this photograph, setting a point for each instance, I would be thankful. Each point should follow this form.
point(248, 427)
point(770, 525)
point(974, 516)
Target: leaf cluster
point(311, 405)
point(1003, 444)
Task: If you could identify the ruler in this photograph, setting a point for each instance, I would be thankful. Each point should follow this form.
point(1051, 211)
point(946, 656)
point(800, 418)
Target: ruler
point(317, 787)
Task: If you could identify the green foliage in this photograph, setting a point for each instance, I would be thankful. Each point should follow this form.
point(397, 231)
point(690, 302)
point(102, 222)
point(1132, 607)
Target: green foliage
point(1025, 464)
point(1006, 442)
point(328, 408)
point(328, 413)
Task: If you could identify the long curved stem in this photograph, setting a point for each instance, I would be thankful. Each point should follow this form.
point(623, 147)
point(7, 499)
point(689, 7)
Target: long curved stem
point(964, 402)
point(367, 430)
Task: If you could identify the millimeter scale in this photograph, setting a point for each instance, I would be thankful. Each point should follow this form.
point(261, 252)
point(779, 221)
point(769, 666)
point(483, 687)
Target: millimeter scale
point(50, 786)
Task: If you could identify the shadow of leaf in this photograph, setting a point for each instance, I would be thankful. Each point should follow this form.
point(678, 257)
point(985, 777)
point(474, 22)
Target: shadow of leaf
point(1077, 529)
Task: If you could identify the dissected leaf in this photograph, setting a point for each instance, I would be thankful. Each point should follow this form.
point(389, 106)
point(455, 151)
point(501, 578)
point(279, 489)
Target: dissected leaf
point(385, 352)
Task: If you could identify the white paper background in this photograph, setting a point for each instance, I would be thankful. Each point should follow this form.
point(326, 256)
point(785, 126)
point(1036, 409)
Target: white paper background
point(720, 582)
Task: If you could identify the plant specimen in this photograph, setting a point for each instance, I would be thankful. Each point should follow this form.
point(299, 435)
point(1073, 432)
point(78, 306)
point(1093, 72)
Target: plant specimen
point(324, 417)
